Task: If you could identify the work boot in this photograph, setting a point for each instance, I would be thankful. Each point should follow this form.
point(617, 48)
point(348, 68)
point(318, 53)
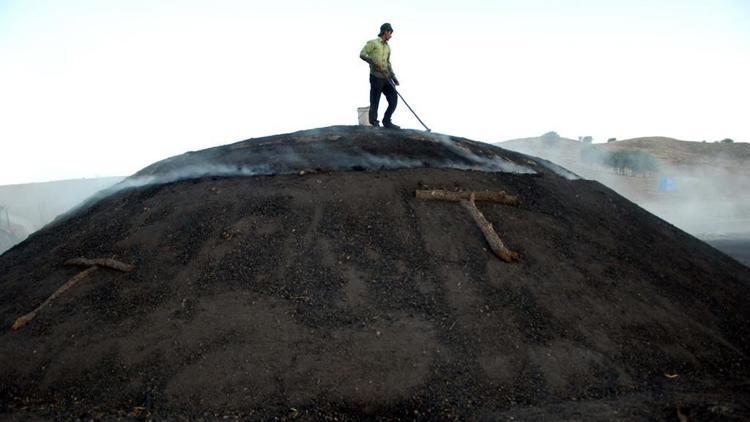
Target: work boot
point(390, 125)
point(375, 124)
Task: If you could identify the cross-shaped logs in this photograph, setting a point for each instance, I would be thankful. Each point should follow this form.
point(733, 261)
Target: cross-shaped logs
point(468, 201)
point(91, 266)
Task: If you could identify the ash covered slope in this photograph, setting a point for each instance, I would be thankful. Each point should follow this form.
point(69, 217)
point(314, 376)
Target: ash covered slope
point(343, 148)
point(338, 294)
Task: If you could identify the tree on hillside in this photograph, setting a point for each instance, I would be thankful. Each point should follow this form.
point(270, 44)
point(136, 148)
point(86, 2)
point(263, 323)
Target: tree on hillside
point(586, 139)
point(727, 141)
point(637, 161)
point(619, 161)
point(611, 139)
point(551, 136)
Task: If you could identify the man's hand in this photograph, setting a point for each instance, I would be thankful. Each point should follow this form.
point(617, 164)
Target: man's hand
point(395, 81)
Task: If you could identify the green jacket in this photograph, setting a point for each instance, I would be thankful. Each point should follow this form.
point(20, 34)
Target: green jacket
point(378, 51)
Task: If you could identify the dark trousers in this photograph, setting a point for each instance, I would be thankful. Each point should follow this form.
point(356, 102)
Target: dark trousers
point(381, 86)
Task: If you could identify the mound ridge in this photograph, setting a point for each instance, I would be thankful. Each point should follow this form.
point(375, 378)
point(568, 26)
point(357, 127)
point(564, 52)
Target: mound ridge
point(341, 148)
point(334, 293)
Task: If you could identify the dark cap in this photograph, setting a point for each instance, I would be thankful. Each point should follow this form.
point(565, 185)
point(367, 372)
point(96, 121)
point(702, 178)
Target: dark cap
point(385, 27)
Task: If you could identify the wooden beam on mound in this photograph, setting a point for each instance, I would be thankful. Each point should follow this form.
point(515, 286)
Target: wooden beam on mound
point(101, 262)
point(92, 264)
point(468, 199)
point(497, 245)
point(481, 196)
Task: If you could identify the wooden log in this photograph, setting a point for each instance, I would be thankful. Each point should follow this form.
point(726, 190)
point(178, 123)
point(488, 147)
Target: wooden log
point(101, 262)
point(482, 196)
point(489, 232)
point(21, 321)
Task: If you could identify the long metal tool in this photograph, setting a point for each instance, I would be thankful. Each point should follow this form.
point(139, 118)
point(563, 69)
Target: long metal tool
point(407, 104)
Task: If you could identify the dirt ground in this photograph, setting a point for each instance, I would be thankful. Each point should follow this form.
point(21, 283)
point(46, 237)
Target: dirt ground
point(335, 294)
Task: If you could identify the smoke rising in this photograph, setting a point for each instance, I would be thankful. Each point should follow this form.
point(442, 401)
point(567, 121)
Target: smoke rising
point(493, 164)
point(31, 206)
point(707, 196)
point(319, 150)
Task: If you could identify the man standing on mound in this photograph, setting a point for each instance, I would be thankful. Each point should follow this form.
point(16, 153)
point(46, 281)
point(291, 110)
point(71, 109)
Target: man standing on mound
point(377, 53)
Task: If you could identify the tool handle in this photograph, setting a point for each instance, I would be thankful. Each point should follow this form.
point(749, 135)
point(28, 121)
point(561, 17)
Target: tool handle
point(407, 105)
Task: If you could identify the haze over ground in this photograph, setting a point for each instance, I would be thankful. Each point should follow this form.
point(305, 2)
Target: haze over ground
point(106, 88)
point(706, 197)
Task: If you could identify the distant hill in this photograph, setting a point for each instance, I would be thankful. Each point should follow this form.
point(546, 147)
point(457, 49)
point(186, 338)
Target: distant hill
point(536, 139)
point(732, 157)
point(709, 196)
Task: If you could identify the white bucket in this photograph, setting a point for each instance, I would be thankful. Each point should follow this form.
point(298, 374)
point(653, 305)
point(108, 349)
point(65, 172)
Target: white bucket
point(364, 116)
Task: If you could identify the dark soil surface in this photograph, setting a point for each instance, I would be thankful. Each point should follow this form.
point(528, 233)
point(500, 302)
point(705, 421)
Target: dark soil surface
point(334, 294)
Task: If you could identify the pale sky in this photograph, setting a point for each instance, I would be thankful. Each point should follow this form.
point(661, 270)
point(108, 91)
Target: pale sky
point(105, 87)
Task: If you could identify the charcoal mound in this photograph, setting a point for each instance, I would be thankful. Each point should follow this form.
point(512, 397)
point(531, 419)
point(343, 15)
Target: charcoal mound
point(297, 276)
point(340, 148)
